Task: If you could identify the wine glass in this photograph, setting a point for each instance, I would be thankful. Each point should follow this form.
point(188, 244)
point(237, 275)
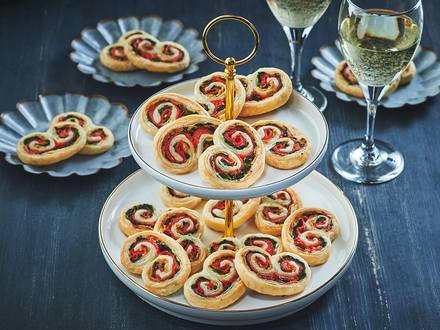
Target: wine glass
point(378, 39)
point(297, 18)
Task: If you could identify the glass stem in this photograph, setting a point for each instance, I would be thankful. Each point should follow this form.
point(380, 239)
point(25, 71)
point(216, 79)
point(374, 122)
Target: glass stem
point(296, 38)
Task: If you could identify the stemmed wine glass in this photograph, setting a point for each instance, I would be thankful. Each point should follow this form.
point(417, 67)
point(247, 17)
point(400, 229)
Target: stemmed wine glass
point(378, 39)
point(297, 18)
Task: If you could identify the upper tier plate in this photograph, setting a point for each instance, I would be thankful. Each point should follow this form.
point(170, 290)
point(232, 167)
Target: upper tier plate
point(425, 84)
point(298, 111)
point(88, 47)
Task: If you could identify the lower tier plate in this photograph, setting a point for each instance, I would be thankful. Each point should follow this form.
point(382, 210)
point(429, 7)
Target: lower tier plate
point(252, 308)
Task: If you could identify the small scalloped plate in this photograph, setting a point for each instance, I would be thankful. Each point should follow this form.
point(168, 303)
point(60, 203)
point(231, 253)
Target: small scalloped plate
point(88, 47)
point(426, 82)
point(35, 116)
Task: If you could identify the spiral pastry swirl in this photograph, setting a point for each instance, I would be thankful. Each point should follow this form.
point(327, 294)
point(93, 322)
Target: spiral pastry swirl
point(286, 146)
point(164, 108)
point(180, 222)
point(214, 213)
point(224, 243)
point(268, 243)
point(308, 232)
point(237, 158)
point(195, 251)
point(277, 275)
point(175, 198)
point(274, 210)
point(146, 52)
point(217, 285)
point(266, 89)
point(113, 57)
point(138, 217)
point(210, 92)
point(61, 141)
point(178, 145)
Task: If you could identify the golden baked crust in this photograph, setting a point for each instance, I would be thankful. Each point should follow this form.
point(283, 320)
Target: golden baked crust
point(278, 275)
point(61, 141)
point(195, 250)
point(124, 37)
point(308, 232)
point(217, 285)
point(224, 243)
point(286, 147)
point(174, 198)
point(237, 158)
point(163, 109)
point(267, 89)
point(162, 261)
point(269, 243)
point(146, 52)
point(98, 140)
point(408, 74)
point(139, 217)
point(214, 213)
point(114, 58)
point(180, 222)
point(210, 92)
point(274, 210)
point(178, 145)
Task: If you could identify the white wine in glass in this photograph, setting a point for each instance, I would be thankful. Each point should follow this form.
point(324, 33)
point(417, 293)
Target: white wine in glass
point(378, 39)
point(297, 17)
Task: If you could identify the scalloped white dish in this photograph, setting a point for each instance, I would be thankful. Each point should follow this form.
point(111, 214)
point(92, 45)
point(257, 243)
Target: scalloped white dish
point(426, 82)
point(298, 111)
point(315, 191)
point(93, 40)
point(35, 116)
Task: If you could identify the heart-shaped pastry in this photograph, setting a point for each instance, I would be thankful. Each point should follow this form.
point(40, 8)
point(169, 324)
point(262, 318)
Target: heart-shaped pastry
point(195, 251)
point(270, 244)
point(61, 141)
point(217, 285)
point(237, 158)
point(146, 52)
point(175, 198)
point(266, 89)
point(178, 145)
point(210, 92)
point(180, 222)
point(224, 243)
point(138, 217)
point(278, 275)
point(162, 261)
point(98, 138)
point(162, 109)
point(274, 210)
point(308, 232)
point(286, 146)
point(214, 213)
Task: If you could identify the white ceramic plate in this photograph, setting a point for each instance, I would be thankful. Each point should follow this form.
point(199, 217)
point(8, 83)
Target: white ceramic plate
point(426, 82)
point(298, 111)
point(252, 308)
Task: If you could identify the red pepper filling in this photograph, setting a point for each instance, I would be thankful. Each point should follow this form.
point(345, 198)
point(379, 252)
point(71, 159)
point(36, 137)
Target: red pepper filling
point(274, 276)
point(349, 76)
point(137, 254)
point(117, 52)
point(161, 266)
point(183, 230)
point(191, 250)
point(43, 141)
point(268, 211)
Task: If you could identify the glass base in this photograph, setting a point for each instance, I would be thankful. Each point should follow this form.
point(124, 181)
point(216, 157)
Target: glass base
point(314, 95)
point(352, 162)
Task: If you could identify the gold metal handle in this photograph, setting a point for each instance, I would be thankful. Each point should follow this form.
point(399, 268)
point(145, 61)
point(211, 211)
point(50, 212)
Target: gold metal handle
point(230, 64)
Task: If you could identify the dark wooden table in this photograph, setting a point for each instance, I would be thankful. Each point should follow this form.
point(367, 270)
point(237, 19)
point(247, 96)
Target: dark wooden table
point(52, 272)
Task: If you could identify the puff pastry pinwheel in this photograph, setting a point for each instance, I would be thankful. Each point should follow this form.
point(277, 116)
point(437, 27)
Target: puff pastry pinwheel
point(195, 250)
point(308, 232)
point(164, 108)
point(214, 213)
point(268, 243)
point(61, 141)
point(175, 198)
point(180, 222)
point(237, 158)
point(138, 217)
point(278, 275)
point(274, 210)
point(210, 91)
point(217, 285)
point(286, 146)
point(162, 261)
point(224, 243)
point(146, 52)
point(113, 57)
point(124, 37)
point(98, 138)
point(178, 145)
point(267, 89)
